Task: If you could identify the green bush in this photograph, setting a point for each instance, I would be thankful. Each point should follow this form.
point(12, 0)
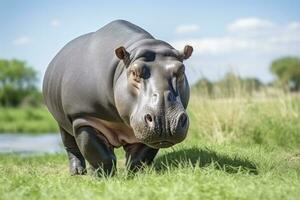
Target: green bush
point(18, 84)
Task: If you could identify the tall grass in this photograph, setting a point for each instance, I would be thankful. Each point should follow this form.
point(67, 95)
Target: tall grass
point(268, 116)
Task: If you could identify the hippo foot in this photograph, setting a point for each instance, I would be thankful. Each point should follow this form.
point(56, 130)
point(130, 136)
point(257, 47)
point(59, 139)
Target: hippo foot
point(138, 156)
point(76, 168)
point(136, 166)
point(104, 171)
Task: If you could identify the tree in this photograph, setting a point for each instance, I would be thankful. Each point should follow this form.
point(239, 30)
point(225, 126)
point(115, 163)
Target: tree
point(17, 81)
point(287, 70)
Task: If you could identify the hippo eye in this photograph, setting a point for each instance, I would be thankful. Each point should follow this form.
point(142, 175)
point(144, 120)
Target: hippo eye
point(141, 73)
point(135, 76)
point(139, 70)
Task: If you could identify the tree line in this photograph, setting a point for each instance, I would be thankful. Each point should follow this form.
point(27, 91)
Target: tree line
point(286, 70)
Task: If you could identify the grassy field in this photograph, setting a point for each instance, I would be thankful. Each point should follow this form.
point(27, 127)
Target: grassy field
point(186, 172)
point(26, 120)
point(237, 148)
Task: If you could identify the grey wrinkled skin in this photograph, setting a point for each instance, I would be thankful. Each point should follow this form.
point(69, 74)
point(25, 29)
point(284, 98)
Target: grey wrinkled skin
point(119, 74)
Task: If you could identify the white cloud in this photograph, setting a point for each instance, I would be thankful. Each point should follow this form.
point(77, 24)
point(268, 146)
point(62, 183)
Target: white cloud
point(55, 23)
point(284, 39)
point(188, 28)
point(249, 46)
point(214, 45)
point(294, 26)
point(23, 40)
point(249, 24)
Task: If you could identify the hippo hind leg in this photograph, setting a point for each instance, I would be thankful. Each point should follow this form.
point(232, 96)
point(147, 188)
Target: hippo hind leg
point(138, 155)
point(96, 150)
point(76, 160)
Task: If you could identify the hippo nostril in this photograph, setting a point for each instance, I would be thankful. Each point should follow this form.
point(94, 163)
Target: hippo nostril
point(148, 118)
point(183, 120)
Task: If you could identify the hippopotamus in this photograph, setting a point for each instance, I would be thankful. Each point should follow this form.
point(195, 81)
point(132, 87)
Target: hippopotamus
point(117, 86)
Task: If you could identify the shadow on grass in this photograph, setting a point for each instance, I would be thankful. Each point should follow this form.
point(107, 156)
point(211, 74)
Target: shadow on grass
point(204, 158)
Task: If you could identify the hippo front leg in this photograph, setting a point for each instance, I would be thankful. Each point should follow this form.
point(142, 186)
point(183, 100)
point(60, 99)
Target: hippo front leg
point(96, 150)
point(76, 160)
point(138, 155)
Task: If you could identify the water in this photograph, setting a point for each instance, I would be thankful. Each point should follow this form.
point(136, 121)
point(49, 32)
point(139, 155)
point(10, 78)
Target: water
point(30, 144)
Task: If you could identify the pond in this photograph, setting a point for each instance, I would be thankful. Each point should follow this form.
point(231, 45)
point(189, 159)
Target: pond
point(30, 143)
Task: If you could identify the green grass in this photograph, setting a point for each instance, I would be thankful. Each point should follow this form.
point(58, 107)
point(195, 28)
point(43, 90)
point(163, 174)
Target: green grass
point(237, 148)
point(185, 172)
point(26, 120)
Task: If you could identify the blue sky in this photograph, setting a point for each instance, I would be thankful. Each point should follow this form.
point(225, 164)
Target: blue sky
point(240, 36)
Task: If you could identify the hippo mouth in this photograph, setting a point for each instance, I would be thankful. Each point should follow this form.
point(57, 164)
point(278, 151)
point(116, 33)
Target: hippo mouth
point(161, 144)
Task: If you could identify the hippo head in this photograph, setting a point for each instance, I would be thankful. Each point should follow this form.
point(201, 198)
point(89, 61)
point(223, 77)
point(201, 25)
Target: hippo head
point(159, 93)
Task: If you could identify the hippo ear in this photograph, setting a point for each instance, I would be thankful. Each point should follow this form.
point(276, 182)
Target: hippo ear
point(122, 54)
point(187, 52)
